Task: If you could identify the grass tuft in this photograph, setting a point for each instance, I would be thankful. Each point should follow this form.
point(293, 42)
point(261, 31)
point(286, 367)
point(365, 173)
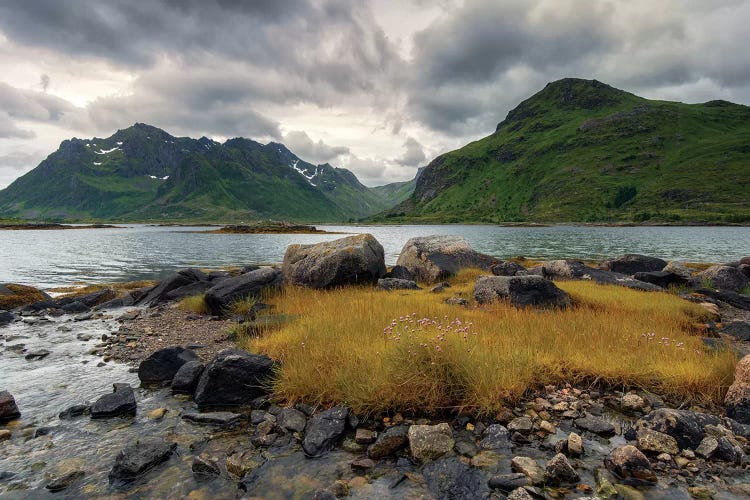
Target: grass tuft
point(194, 304)
point(409, 351)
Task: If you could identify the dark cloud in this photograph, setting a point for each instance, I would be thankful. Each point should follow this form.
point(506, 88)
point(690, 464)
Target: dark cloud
point(414, 155)
point(317, 152)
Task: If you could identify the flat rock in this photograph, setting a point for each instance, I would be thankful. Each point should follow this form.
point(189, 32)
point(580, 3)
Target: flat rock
point(218, 418)
point(64, 481)
point(651, 441)
point(595, 424)
point(529, 467)
point(37, 355)
point(120, 402)
point(428, 442)
point(139, 458)
point(508, 482)
point(449, 478)
point(74, 411)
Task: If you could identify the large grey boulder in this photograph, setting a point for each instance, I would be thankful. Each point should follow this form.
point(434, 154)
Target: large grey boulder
point(521, 291)
point(634, 263)
point(685, 426)
point(233, 378)
point(723, 278)
point(435, 258)
point(162, 365)
point(737, 399)
point(345, 261)
point(508, 268)
point(250, 284)
point(8, 408)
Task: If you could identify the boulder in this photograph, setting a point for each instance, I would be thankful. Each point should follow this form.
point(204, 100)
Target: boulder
point(559, 471)
point(723, 278)
point(435, 258)
point(521, 291)
point(400, 272)
point(8, 408)
point(507, 268)
point(738, 329)
point(734, 299)
point(389, 284)
point(74, 411)
point(744, 269)
point(75, 307)
point(659, 278)
point(323, 430)
point(120, 402)
point(651, 441)
point(162, 365)
point(737, 399)
point(634, 263)
point(745, 260)
point(139, 458)
point(184, 277)
point(220, 296)
point(6, 318)
point(346, 261)
point(389, 442)
point(186, 379)
point(428, 442)
point(449, 478)
point(577, 270)
point(13, 295)
point(89, 300)
point(679, 269)
point(685, 426)
point(233, 378)
point(495, 437)
point(628, 462)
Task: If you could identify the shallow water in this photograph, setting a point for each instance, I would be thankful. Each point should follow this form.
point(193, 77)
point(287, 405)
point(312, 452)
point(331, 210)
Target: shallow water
point(62, 257)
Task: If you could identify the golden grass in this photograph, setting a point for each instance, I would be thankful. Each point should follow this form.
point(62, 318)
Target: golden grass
point(121, 288)
point(194, 304)
point(345, 347)
point(21, 295)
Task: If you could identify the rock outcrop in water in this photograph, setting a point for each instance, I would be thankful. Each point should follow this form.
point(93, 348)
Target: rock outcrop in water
point(119, 403)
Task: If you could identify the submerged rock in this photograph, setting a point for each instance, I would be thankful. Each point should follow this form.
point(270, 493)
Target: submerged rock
point(74, 411)
point(139, 458)
point(233, 378)
point(8, 408)
point(120, 402)
point(435, 258)
point(64, 481)
point(595, 424)
point(448, 477)
point(345, 261)
point(559, 471)
point(217, 418)
point(251, 284)
point(162, 365)
point(628, 462)
point(521, 291)
point(323, 430)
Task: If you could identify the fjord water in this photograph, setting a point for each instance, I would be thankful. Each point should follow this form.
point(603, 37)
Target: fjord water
point(62, 257)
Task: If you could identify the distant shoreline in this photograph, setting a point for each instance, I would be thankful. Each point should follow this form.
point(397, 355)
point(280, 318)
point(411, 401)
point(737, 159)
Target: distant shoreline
point(49, 227)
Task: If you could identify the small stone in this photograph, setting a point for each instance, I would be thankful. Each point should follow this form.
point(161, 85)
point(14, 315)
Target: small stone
point(682, 462)
point(652, 441)
point(633, 403)
point(508, 482)
point(495, 437)
point(389, 442)
point(485, 459)
point(157, 414)
point(595, 424)
point(520, 494)
point(5, 434)
point(357, 482)
point(524, 425)
point(428, 442)
point(708, 447)
point(365, 436)
point(529, 467)
point(363, 464)
point(204, 466)
point(628, 462)
point(559, 471)
point(547, 427)
point(291, 420)
point(701, 493)
point(339, 488)
point(241, 462)
point(65, 481)
point(664, 457)
point(575, 444)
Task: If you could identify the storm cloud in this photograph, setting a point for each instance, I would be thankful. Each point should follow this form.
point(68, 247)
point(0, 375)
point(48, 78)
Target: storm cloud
point(380, 87)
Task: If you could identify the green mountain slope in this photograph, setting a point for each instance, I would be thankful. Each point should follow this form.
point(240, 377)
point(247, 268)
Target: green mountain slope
point(582, 151)
point(143, 173)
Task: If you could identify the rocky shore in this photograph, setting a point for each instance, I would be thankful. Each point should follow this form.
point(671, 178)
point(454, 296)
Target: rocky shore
point(209, 416)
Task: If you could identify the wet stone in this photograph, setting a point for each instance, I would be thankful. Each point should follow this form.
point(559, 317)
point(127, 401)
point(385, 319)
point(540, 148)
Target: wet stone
point(139, 458)
point(323, 430)
point(529, 467)
point(64, 481)
point(628, 462)
point(448, 477)
point(523, 425)
point(495, 437)
point(596, 425)
point(218, 418)
point(508, 482)
point(118, 403)
point(363, 464)
point(559, 471)
point(389, 442)
point(203, 466)
point(8, 407)
point(291, 420)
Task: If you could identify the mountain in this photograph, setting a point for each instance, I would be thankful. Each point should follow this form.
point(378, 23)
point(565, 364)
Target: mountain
point(144, 173)
point(583, 151)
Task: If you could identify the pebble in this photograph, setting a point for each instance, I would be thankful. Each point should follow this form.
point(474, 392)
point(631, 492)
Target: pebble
point(157, 414)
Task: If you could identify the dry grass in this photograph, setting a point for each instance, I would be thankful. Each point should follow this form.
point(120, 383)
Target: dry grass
point(121, 288)
point(20, 295)
point(408, 351)
point(195, 304)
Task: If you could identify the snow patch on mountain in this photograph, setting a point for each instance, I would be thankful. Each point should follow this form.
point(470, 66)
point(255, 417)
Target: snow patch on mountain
point(304, 173)
point(105, 151)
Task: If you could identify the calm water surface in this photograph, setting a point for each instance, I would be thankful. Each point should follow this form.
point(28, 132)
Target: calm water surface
point(62, 257)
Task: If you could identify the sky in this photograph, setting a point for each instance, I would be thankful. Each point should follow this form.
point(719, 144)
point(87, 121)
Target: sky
point(377, 86)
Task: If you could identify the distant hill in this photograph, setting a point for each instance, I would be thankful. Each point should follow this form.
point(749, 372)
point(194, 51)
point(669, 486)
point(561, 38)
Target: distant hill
point(143, 173)
point(583, 151)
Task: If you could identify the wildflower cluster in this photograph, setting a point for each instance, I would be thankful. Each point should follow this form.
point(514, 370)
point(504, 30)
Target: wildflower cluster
point(664, 341)
point(427, 333)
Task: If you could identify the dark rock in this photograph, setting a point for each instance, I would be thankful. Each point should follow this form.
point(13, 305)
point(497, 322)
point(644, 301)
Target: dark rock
point(291, 420)
point(204, 467)
point(738, 329)
point(683, 425)
point(734, 299)
point(162, 365)
point(139, 458)
point(495, 437)
point(449, 478)
point(120, 402)
point(508, 482)
point(659, 278)
point(233, 378)
point(74, 411)
point(389, 284)
point(6, 318)
point(400, 272)
point(363, 464)
point(744, 269)
point(13, 295)
point(186, 379)
point(345, 261)
point(723, 278)
point(577, 270)
point(323, 430)
point(559, 471)
point(508, 268)
point(75, 308)
point(220, 296)
point(217, 418)
point(64, 481)
point(8, 408)
point(158, 294)
point(521, 291)
point(43, 431)
point(595, 424)
point(435, 258)
point(197, 288)
point(628, 462)
point(37, 355)
point(634, 263)
point(89, 300)
point(389, 442)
